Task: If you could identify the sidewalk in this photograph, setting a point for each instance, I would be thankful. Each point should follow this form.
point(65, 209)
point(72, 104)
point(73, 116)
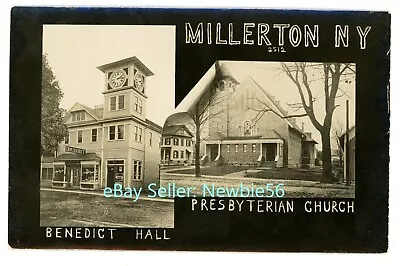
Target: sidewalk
point(100, 193)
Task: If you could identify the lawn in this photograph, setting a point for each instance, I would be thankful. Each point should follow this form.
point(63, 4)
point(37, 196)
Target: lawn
point(312, 174)
point(212, 170)
point(71, 209)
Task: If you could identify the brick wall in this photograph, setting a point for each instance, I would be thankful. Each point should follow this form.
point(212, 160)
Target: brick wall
point(240, 157)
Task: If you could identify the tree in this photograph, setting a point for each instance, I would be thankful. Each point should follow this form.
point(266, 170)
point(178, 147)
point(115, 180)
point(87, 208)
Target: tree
point(332, 75)
point(203, 110)
point(337, 132)
point(53, 130)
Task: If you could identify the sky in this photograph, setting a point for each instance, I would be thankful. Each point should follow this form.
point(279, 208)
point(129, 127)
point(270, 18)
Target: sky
point(75, 51)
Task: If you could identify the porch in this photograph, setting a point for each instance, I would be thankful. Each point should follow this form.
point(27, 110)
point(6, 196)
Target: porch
point(257, 152)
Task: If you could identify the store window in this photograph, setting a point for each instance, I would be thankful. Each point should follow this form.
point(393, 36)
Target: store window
point(58, 173)
point(88, 174)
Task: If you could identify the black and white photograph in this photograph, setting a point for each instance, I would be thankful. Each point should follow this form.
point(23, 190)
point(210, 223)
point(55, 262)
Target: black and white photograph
point(106, 92)
point(247, 130)
point(267, 122)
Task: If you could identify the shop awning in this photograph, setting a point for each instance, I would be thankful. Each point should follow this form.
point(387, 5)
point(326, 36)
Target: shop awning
point(91, 156)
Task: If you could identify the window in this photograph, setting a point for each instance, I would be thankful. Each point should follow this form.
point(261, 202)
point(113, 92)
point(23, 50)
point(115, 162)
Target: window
point(111, 130)
point(135, 134)
point(113, 103)
point(78, 116)
point(254, 130)
point(167, 141)
point(182, 142)
point(188, 142)
point(228, 148)
point(121, 102)
point(175, 155)
point(150, 138)
point(236, 147)
point(253, 148)
point(138, 105)
point(120, 131)
point(88, 173)
point(244, 147)
point(66, 138)
point(182, 154)
point(94, 134)
point(176, 141)
point(140, 135)
point(246, 128)
point(80, 133)
point(47, 173)
point(137, 170)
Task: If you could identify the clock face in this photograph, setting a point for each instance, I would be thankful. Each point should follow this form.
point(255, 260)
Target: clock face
point(117, 79)
point(139, 82)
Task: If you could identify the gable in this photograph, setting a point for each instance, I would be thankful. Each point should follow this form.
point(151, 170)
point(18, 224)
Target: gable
point(79, 111)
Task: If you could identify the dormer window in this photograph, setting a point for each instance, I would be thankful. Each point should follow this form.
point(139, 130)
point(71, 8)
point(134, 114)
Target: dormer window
point(78, 116)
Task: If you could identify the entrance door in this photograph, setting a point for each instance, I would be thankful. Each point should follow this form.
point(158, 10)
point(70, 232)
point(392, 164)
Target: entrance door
point(213, 151)
point(73, 174)
point(115, 173)
point(76, 176)
point(270, 151)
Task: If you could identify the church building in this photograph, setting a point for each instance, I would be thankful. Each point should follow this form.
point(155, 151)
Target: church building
point(246, 125)
point(113, 142)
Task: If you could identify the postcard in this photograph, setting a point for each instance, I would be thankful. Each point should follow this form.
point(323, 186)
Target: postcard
point(199, 129)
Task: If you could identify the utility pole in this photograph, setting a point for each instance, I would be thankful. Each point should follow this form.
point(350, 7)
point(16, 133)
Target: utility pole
point(346, 147)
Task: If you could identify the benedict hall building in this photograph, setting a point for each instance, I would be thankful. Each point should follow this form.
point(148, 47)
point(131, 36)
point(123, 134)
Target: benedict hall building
point(113, 142)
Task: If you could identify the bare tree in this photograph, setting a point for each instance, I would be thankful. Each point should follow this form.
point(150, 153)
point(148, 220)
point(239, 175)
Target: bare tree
point(200, 114)
point(337, 131)
point(332, 75)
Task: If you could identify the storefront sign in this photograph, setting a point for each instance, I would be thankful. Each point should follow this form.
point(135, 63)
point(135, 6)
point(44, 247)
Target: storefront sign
point(75, 150)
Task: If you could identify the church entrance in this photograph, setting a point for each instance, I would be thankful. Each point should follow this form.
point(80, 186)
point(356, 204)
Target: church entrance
point(270, 151)
point(213, 151)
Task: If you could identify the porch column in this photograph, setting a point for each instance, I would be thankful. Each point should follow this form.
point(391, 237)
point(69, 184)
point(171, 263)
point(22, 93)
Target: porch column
point(65, 171)
point(277, 149)
point(261, 154)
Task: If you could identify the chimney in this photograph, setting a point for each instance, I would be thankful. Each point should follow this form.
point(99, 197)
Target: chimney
point(302, 126)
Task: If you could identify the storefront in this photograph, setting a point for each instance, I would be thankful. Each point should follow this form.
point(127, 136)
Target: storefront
point(79, 171)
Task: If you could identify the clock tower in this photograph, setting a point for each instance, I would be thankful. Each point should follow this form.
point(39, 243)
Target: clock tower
point(125, 88)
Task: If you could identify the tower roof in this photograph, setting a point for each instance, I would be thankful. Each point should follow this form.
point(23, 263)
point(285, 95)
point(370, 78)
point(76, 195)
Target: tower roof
point(126, 61)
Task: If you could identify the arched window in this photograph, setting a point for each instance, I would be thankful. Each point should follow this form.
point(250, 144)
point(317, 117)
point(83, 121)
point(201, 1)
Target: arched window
point(175, 155)
point(254, 130)
point(246, 128)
